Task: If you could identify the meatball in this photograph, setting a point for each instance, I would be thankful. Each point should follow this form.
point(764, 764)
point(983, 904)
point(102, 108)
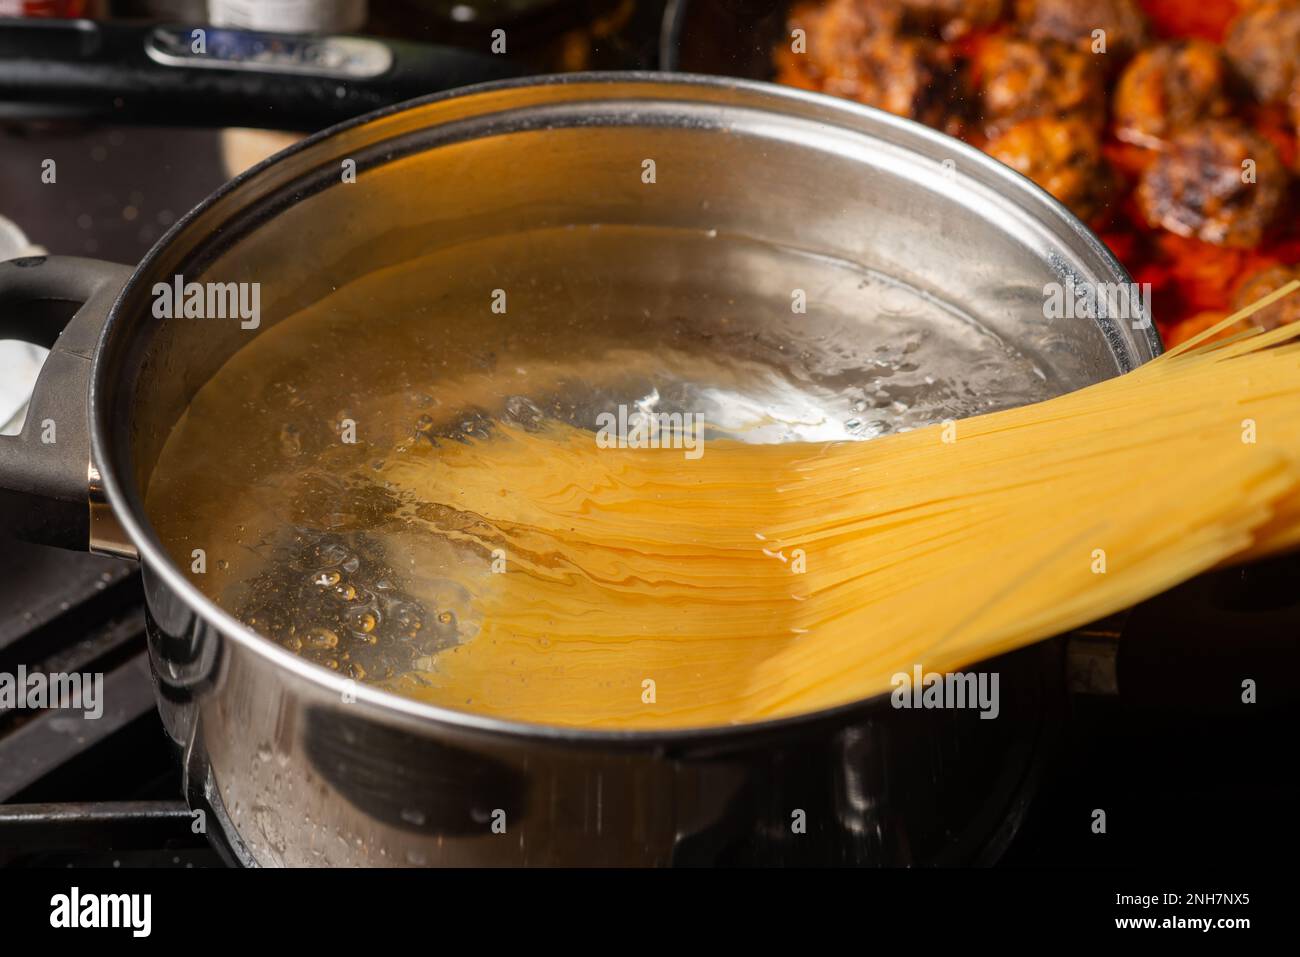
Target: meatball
point(950, 18)
point(1073, 22)
point(1019, 79)
point(837, 29)
point(1169, 87)
point(1263, 44)
point(908, 76)
point(1199, 186)
point(1062, 155)
point(854, 52)
point(1283, 312)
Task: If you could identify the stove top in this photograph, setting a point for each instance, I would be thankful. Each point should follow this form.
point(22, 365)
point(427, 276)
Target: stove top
point(74, 791)
point(1187, 776)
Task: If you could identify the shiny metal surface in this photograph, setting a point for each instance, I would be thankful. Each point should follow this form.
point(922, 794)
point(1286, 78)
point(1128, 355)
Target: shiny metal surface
point(341, 57)
point(293, 775)
point(106, 535)
point(300, 766)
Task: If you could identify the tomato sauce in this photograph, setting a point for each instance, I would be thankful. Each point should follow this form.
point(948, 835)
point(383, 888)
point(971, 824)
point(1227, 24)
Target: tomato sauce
point(1192, 282)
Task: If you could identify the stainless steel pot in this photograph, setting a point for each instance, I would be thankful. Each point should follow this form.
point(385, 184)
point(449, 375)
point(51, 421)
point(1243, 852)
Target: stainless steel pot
point(292, 764)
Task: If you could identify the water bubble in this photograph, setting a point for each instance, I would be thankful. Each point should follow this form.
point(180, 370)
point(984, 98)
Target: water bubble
point(321, 638)
point(869, 429)
point(523, 412)
point(332, 553)
point(406, 616)
point(362, 620)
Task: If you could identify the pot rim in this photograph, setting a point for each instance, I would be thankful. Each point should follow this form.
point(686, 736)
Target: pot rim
point(128, 507)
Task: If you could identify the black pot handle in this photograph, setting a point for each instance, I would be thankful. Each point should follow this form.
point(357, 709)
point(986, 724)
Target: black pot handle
point(150, 74)
point(61, 302)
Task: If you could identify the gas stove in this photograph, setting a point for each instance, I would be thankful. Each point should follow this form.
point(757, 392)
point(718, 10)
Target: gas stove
point(1187, 776)
point(73, 790)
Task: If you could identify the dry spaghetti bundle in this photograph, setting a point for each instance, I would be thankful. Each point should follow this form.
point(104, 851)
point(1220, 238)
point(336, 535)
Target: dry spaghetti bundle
point(760, 581)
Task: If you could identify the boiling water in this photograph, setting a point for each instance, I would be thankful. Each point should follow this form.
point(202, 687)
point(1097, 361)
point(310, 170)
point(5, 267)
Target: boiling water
point(277, 470)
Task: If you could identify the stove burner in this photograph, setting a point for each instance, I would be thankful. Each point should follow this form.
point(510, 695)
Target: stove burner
point(76, 791)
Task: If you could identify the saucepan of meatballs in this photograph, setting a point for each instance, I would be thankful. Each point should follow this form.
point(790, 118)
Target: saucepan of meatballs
point(1168, 126)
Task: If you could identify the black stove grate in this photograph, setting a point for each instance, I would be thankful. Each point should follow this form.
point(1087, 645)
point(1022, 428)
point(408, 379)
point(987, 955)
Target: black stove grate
point(77, 791)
